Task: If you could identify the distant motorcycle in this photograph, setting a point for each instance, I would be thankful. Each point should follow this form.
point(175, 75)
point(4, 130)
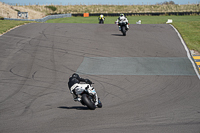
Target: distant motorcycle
point(89, 96)
point(123, 27)
point(101, 20)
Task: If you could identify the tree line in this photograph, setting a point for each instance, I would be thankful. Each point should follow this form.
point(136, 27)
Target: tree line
point(167, 3)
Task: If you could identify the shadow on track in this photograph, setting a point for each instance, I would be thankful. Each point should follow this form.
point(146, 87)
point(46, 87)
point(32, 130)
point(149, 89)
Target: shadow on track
point(74, 107)
point(117, 34)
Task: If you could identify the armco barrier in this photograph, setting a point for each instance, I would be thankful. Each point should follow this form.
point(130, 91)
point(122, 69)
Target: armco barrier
point(42, 19)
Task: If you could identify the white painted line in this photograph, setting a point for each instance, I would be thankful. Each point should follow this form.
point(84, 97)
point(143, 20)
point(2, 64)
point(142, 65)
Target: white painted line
point(188, 53)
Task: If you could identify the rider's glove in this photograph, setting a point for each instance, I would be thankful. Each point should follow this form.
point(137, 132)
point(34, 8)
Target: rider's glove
point(88, 81)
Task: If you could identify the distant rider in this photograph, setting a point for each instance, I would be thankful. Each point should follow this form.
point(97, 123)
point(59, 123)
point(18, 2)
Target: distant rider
point(101, 17)
point(124, 19)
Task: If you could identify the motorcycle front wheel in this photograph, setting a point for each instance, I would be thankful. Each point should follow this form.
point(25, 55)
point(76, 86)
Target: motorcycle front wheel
point(88, 101)
point(101, 21)
point(124, 30)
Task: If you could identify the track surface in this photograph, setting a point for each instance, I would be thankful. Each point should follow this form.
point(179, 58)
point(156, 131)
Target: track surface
point(36, 61)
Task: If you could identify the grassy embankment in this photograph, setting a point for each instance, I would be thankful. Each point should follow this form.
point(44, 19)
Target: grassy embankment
point(115, 8)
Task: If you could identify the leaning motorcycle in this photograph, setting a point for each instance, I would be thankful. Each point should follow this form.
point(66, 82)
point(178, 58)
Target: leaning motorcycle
point(89, 96)
point(123, 26)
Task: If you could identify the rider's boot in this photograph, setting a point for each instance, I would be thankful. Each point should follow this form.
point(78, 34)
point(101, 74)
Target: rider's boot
point(99, 103)
point(127, 27)
point(119, 28)
point(77, 99)
point(75, 96)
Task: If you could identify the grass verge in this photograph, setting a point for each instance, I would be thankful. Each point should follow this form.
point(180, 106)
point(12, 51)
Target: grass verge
point(190, 32)
point(132, 19)
point(6, 25)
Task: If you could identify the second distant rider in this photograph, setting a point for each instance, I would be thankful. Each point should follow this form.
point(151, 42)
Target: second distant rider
point(124, 19)
point(101, 17)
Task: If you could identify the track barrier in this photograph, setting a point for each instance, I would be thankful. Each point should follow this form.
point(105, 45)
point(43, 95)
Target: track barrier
point(42, 19)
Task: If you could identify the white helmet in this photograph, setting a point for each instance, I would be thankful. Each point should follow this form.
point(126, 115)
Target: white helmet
point(121, 15)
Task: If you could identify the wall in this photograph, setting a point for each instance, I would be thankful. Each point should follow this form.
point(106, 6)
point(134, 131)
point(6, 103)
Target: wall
point(42, 19)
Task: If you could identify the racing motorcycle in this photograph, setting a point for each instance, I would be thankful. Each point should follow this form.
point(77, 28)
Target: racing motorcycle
point(123, 27)
point(101, 20)
point(88, 96)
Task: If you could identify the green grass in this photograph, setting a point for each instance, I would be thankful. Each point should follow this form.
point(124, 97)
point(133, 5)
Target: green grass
point(190, 31)
point(74, 20)
point(6, 25)
point(132, 19)
point(163, 19)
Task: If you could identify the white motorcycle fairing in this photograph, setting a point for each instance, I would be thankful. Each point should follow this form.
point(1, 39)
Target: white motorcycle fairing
point(80, 88)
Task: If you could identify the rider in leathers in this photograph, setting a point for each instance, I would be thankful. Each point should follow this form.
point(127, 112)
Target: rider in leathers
point(74, 84)
point(101, 17)
point(124, 19)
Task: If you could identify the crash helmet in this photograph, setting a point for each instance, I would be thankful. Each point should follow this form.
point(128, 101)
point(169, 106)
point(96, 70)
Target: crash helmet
point(75, 76)
point(101, 16)
point(121, 15)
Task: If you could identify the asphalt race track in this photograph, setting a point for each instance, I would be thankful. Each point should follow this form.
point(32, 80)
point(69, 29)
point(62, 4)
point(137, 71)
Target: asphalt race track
point(145, 80)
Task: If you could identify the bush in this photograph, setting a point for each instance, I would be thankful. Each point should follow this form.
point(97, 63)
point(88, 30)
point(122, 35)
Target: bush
point(168, 3)
point(17, 10)
point(1, 18)
point(53, 8)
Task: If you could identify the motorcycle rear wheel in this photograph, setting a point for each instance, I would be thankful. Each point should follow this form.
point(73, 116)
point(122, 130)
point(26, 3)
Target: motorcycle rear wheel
point(88, 102)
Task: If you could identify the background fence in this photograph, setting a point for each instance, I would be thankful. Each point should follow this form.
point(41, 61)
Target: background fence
point(42, 19)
